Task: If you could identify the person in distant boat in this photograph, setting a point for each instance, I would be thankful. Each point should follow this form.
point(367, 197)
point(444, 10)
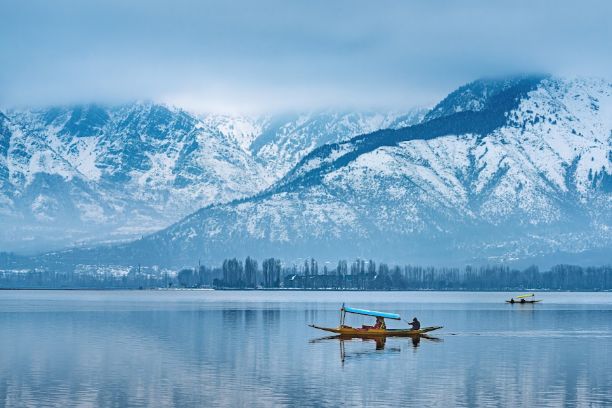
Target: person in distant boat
point(511, 300)
point(523, 300)
point(416, 325)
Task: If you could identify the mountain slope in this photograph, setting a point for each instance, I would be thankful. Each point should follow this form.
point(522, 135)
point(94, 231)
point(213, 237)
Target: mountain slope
point(526, 174)
point(103, 172)
point(286, 140)
point(91, 173)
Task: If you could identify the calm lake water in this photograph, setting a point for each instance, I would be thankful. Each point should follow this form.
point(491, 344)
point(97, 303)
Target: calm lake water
point(224, 348)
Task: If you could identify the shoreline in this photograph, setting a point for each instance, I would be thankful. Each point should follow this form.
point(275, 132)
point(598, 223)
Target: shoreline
point(306, 290)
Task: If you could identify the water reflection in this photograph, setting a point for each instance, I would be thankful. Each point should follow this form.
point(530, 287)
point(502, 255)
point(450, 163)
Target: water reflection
point(379, 342)
point(198, 349)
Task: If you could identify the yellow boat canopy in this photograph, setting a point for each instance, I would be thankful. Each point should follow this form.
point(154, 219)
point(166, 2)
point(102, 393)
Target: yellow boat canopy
point(526, 296)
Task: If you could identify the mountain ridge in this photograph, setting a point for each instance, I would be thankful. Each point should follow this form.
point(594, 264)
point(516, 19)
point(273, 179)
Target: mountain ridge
point(524, 176)
point(94, 173)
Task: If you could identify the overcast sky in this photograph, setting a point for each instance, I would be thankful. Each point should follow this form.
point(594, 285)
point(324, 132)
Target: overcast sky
point(254, 56)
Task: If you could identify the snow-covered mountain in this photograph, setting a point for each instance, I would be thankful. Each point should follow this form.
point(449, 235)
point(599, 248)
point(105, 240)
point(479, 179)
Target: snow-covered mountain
point(499, 170)
point(286, 140)
point(91, 173)
point(280, 142)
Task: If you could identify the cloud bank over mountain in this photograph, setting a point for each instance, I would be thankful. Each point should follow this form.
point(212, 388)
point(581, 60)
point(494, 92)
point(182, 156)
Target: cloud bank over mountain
point(268, 55)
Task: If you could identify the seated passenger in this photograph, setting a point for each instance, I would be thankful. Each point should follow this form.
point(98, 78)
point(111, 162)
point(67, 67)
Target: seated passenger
point(380, 323)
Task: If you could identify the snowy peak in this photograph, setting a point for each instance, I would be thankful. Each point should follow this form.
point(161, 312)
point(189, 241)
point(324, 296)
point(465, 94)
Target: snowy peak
point(86, 121)
point(113, 172)
point(501, 98)
point(479, 95)
point(243, 130)
point(512, 178)
point(279, 142)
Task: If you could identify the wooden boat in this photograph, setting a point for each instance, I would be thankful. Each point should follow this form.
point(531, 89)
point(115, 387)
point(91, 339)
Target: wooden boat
point(345, 337)
point(357, 332)
point(345, 330)
point(522, 299)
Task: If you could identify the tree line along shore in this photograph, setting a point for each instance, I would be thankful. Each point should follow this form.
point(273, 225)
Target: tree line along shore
point(309, 275)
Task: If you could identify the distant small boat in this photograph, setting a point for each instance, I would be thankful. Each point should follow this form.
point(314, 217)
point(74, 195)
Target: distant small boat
point(522, 299)
point(371, 331)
